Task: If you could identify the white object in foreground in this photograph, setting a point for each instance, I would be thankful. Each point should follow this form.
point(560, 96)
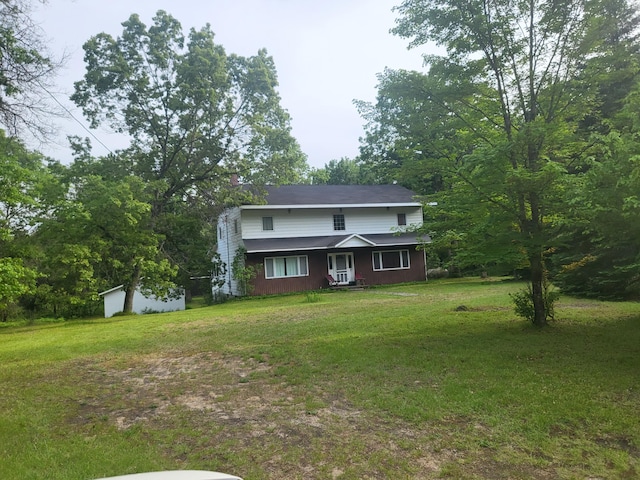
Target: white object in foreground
point(175, 475)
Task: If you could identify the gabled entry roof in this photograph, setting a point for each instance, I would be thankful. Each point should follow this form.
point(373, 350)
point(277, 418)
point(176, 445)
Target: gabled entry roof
point(355, 240)
point(266, 245)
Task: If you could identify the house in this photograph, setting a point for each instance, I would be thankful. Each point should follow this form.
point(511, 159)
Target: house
point(304, 237)
point(114, 302)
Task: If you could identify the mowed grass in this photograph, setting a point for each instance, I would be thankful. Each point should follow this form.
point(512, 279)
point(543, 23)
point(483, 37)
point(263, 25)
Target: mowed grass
point(389, 382)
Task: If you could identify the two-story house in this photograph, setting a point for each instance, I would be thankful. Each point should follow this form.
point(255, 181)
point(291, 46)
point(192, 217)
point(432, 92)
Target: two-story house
point(303, 236)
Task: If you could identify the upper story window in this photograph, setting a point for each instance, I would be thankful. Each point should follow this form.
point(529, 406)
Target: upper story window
point(402, 219)
point(267, 223)
point(338, 222)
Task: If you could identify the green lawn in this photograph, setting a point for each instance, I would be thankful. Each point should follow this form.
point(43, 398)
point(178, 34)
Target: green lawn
point(385, 383)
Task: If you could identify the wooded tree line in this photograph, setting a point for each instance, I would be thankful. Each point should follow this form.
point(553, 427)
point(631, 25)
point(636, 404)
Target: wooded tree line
point(525, 133)
point(522, 137)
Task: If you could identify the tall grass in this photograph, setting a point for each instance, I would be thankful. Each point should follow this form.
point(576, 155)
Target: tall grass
point(393, 381)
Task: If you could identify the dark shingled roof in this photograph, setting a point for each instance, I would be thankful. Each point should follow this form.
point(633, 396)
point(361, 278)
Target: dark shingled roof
point(338, 194)
point(327, 242)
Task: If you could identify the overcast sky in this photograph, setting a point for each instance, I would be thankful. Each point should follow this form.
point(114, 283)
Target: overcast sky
point(327, 53)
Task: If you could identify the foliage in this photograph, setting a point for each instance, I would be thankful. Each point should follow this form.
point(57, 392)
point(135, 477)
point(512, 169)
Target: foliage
point(25, 185)
point(24, 189)
point(195, 113)
point(99, 235)
point(602, 256)
point(598, 254)
point(16, 280)
point(524, 305)
point(338, 172)
point(243, 273)
point(404, 134)
point(312, 297)
point(215, 293)
point(494, 127)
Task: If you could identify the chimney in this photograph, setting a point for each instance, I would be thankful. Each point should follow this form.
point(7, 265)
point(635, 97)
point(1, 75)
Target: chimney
point(234, 180)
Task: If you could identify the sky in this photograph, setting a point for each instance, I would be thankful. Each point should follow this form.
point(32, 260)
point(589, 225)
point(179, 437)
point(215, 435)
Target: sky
point(327, 53)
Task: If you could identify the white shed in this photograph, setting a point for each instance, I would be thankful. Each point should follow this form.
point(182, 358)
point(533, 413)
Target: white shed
point(114, 302)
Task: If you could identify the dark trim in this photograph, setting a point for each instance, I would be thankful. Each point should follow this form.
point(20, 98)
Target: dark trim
point(378, 240)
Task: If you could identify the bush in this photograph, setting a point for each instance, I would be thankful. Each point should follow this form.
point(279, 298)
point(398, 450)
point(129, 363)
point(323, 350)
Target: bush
point(523, 302)
point(312, 297)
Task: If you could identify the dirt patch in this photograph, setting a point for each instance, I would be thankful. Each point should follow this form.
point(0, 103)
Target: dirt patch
point(400, 294)
point(208, 410)
point(487, 308)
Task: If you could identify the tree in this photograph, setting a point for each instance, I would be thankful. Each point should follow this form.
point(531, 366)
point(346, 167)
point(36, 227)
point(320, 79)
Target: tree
point(615, 68)
point(195, 114)
point(598, 255)
point(407, 135)
point(601, 257)
point(100, 234)
point(510, 87)
point(26, 70)
point(23, 185)
point(338, 172)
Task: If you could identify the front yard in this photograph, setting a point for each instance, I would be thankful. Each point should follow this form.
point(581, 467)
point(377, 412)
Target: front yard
point(393, 382)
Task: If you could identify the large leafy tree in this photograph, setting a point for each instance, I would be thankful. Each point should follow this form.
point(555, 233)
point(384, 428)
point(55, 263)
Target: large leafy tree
point(195, 115)
point(99, 236)
point(511, 93)
point(408, 136)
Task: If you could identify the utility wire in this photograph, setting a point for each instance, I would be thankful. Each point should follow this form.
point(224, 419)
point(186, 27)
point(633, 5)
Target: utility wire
point(74, 118)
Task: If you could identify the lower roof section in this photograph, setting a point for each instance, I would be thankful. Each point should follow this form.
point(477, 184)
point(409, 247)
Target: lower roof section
point(266, 245)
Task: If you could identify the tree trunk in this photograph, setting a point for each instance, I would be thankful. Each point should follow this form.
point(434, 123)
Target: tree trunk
point(130, 291)
point(537, 289)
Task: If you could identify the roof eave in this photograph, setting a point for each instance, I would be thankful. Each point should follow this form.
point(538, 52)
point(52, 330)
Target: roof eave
point(331, 205)
point(111, 290)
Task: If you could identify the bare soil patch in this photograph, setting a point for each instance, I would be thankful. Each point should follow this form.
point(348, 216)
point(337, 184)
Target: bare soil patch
point(206, 409)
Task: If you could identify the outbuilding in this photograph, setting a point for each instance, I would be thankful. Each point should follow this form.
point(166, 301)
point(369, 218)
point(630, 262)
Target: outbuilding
point(114, 302)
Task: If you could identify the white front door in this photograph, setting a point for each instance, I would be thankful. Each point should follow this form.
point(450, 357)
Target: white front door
point(341, 267)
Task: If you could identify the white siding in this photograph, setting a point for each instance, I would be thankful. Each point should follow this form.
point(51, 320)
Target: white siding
point(319, 222)
point(228, 242)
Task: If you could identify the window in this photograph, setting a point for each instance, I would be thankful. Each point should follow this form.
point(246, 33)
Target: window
point(267, 223)
point(235, 225)
point(391, 260)
point(338, 222)
point(280, 267)
point(402, 219)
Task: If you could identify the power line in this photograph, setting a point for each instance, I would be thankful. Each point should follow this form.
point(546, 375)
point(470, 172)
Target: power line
point(74, 118)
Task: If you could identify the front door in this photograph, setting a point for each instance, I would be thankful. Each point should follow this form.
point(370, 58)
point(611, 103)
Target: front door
point(341, 267)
